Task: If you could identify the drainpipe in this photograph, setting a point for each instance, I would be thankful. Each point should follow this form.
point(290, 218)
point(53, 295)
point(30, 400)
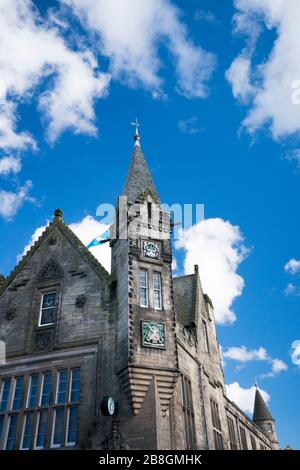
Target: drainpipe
point(203, 405)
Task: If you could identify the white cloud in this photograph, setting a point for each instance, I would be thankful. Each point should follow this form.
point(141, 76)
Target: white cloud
point(30, 50)
point(9, 165)
point(174, 264)
point(295, 353)
point(293, 156)
point(36, 234)
point(242, 354)
point(278, 366)
point(273, 81)
point(292, 290)
point(238, 76)
point(218, 248)
point(244, 397)
point(11, 202)
point(130, 35)
point(202, 15)
point(292, 266)
point(86, 230)
point(190, 126)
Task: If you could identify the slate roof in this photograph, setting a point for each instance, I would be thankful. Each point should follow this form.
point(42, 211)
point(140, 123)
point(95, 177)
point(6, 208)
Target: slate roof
point(139, 179)
point(70, 235)
point(183, 298)
point(261, 411)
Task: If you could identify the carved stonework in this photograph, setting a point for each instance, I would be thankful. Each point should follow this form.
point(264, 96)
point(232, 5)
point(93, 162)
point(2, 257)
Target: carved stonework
point(52, 240)
point(114, 440)
point(80, 301)
point(43, 340)
point(10, 315)
point(153, 334)
point(50, 271)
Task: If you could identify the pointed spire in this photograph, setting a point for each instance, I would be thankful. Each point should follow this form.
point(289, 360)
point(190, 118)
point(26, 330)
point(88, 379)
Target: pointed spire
point(139, 178)
point(261, 411)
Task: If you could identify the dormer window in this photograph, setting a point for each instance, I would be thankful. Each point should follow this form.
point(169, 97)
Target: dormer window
point(47, 310)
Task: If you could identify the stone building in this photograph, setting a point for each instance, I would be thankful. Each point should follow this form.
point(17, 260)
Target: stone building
point(127, 360)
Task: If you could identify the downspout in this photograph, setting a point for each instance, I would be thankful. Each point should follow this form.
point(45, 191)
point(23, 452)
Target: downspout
point(203, 405)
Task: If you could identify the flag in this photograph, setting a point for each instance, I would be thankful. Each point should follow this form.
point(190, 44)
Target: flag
point(97, 241)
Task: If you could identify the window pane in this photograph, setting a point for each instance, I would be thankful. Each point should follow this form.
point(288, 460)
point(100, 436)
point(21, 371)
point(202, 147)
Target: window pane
point(18, 395)
point(218, 440)
point(143, 278)
point(232, 435)
point(61, 396)
point(143, 288)
point(5, 394)
point(188, 412)
point(1, 426)
point(33, 391)
point(48, 308)
point(243, 439)
point(41, 430)
point(12, 431)
point(156, 280)
point(27, 430)
point(46, 388)
point(157, 300)
point(75, 385)
point(143, 298)
point(205, 337)
point(47, 316)
point(49, 300)
point(72, 425)
point(58, 427)
point(157, 291)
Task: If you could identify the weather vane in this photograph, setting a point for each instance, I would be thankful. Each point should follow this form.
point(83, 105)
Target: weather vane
point(136, 124)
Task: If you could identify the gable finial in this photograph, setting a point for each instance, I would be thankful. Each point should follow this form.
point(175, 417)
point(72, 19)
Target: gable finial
point(137, 137)
point(58, 213)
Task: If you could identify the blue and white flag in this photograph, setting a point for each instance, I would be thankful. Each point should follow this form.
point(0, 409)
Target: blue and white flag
point(99, 239)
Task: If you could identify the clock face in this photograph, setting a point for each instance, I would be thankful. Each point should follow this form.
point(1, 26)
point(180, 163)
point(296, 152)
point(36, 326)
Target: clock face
point(151, 250)
point(110, 406)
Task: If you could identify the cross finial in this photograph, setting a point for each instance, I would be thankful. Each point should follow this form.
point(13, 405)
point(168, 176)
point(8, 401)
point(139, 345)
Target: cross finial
point(136, 124)
point(137, 137)
point(256, 383)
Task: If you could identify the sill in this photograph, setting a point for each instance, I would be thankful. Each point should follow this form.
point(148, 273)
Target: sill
point(45, 325)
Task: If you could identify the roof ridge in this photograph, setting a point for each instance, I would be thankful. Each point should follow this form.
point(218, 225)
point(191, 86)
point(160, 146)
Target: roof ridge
point(183, 275)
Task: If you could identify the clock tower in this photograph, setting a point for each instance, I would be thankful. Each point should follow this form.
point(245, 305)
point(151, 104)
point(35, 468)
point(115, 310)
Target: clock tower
point(147, 356)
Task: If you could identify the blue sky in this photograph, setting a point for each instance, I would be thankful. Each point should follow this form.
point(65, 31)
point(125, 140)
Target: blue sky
point(200, 150)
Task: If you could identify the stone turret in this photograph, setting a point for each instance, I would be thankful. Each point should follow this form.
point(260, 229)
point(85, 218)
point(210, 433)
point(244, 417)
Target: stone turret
point(263, 418)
